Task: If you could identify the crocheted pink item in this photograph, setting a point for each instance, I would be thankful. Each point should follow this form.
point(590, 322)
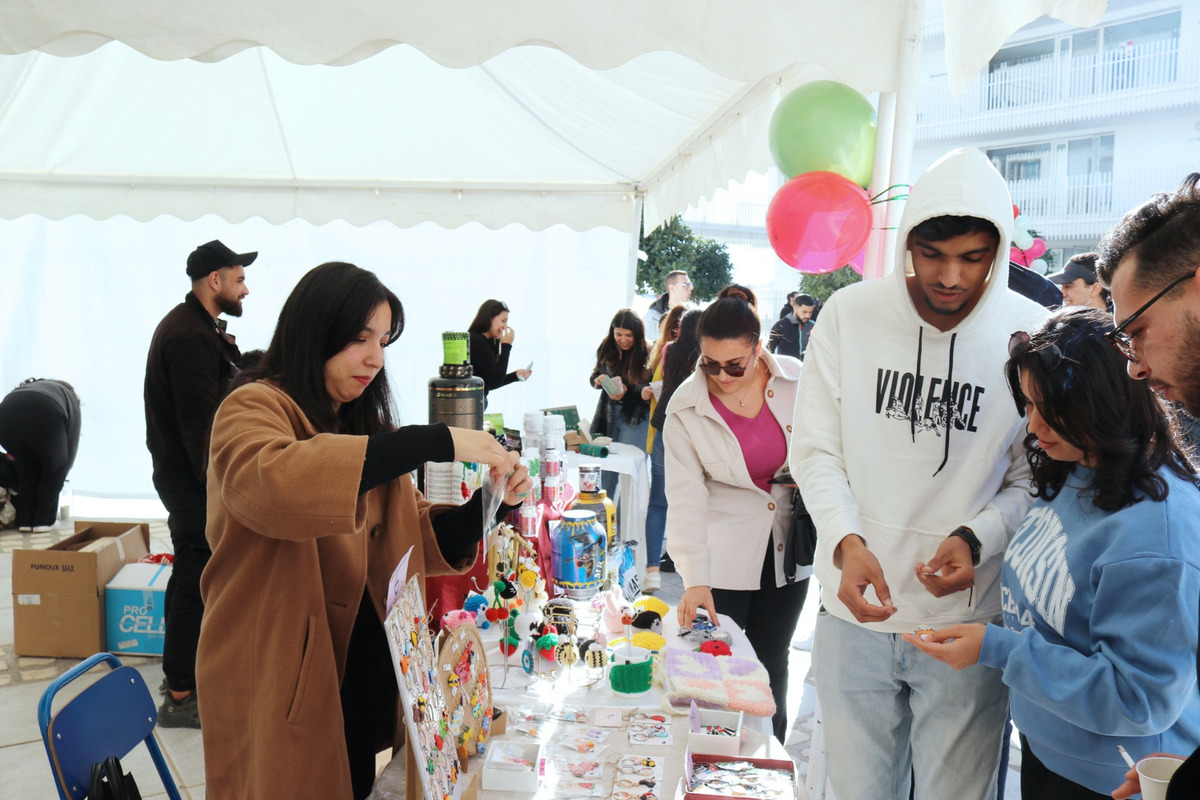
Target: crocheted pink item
point(736, 684)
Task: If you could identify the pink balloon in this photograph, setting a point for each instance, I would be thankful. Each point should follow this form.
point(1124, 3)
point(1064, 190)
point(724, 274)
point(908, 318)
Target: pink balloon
point(859, 261)
point(818, 221)
point(1019, 256)
point(1037, 249)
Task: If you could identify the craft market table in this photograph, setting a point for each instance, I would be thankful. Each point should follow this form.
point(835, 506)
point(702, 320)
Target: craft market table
point(573, 689)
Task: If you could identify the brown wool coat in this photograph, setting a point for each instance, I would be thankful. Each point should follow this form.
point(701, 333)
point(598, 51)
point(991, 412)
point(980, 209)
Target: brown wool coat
point(294, 545)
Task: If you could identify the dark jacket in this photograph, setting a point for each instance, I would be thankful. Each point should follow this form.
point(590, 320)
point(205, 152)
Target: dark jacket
point(1037, 288)
point(188, 370)
point(489, 360)
point(789, 338)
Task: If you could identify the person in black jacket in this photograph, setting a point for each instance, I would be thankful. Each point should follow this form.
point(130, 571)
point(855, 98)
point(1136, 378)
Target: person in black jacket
point(491, 345)
point(789, 336)
point(39, 427)
point(191, 363)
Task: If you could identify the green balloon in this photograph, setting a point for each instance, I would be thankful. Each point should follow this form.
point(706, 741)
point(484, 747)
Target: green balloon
point(824, 125)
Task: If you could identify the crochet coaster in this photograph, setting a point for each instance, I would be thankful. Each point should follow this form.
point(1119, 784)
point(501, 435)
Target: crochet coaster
point(728, 682)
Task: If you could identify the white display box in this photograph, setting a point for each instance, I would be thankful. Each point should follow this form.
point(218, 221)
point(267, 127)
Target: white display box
point(699, 741)
point(501, 773)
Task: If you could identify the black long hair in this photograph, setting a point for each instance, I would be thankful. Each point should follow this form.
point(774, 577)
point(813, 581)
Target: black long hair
point(684, 352)
point(1085, 394)
point(326, 311)
point(629, 364)
point(484, 316)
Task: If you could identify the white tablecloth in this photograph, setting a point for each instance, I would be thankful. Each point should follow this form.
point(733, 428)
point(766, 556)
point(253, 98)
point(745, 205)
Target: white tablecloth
point(630, 463)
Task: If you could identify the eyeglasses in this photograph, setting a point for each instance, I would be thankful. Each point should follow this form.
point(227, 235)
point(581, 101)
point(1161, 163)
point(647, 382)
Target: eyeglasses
point(1119, 339)
point(732, 370)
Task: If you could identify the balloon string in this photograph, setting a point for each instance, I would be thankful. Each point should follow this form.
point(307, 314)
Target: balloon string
point(876, 199)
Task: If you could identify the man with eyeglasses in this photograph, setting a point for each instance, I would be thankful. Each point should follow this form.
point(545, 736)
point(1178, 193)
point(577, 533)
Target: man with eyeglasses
point(1150, 261)
point(907, 451)
point(679, 290)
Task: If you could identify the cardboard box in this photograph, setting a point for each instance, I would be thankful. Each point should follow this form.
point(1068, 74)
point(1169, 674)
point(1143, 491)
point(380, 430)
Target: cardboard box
point(58, 592)
point(700, 793)
point(135, 600)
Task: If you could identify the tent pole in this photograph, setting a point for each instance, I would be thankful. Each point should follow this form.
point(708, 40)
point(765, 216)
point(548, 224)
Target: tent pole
point(635, 231)
point(905, 119)
point(876, 257)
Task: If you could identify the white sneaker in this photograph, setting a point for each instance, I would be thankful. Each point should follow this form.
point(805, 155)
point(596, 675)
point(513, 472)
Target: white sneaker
point(652, 583)
point(25, 529)
point(42, 528)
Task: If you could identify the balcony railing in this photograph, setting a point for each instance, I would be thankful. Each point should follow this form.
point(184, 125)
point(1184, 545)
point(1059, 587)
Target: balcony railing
point(1061, 88)
point(1085, 206)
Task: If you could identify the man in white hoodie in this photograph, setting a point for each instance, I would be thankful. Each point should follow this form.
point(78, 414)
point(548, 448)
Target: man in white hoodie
point(908, 454)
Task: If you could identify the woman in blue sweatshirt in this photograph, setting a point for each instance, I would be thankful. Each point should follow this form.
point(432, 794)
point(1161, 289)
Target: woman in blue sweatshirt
point(1100, 582)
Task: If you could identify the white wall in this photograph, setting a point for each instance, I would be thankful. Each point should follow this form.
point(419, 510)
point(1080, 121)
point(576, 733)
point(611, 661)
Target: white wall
point(80, 299)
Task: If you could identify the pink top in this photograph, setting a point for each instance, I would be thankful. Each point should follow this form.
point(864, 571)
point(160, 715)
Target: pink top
point(763, 444)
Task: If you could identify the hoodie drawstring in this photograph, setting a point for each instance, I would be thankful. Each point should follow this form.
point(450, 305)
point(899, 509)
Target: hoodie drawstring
point(949, 406)
point(912, 407)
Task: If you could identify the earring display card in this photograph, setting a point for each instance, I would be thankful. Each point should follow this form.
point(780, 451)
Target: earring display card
point(426, 715)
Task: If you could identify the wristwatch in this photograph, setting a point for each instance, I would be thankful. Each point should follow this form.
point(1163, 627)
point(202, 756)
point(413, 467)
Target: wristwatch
point(968, 536)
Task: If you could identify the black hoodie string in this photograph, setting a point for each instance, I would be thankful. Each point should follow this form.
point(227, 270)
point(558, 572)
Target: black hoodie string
point(950, 405)
point(912, 406)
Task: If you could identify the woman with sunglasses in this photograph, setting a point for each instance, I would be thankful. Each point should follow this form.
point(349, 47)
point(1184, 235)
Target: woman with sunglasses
point(727, 435)
point(1098, 643)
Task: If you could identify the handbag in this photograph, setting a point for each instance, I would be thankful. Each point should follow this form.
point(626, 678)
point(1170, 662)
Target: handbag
point(110, 782)
point(801, 543)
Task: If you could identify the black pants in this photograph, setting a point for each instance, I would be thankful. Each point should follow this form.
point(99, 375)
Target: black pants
point(183, 609)
point(768, 615)
point(34, 433)
point(369, 697)
point(1039, 783)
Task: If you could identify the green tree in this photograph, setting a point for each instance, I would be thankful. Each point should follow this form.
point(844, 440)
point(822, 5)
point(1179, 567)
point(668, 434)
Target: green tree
point(673, 246)
point(823, 285)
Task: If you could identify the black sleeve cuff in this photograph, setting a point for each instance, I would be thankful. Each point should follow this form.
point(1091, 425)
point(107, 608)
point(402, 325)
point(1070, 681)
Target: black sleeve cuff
point(392, 454)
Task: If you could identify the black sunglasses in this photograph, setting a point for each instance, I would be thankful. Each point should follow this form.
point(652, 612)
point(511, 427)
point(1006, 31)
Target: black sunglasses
point(1048, 354)
point(1119, 339)
point(732, 370)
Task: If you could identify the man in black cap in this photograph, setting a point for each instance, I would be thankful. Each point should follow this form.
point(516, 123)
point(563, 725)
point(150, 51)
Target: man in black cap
point(191, 363)
point(1079, 284)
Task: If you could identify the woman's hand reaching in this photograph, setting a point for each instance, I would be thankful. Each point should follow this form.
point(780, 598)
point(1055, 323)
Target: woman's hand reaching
point(481, 447)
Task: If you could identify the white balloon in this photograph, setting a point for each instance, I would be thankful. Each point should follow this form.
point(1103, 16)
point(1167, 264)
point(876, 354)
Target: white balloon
point(1021, 223)
point(1039, 265)
point(1022, 240)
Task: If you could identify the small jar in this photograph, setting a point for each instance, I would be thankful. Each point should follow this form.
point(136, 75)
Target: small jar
point(589, 478)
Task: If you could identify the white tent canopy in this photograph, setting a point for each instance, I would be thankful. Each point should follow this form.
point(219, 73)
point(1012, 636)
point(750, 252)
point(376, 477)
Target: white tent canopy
point(537, 112)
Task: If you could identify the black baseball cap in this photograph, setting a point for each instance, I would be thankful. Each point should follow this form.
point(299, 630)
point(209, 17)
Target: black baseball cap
point(212, 256)
point(1077, 267)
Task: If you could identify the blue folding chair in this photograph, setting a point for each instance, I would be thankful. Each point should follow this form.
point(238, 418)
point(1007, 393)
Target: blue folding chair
point(106, 719)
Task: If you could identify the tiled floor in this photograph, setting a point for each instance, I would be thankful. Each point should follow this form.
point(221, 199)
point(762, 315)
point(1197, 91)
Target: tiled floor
point(23, 763)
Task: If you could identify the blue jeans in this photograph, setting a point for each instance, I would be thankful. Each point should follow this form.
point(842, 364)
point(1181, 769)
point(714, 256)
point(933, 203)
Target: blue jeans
point(893, 715)
point(656, 512)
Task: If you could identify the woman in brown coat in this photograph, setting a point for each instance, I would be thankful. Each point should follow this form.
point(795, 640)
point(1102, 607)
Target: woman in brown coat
point(310, 509)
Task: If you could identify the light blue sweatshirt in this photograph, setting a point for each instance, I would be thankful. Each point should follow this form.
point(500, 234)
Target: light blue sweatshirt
point(1099, 641)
